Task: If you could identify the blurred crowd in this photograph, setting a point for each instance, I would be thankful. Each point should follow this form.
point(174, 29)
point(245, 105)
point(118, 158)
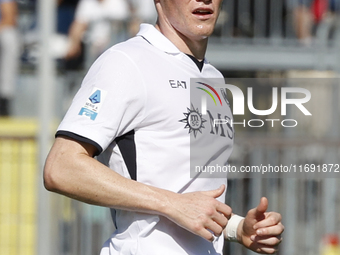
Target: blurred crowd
point(9, 53)
point(308, 13)
point(99, 24)
point(85, 28)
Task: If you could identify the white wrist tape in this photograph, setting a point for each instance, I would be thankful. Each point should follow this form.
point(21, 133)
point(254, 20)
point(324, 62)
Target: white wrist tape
point(231, 229)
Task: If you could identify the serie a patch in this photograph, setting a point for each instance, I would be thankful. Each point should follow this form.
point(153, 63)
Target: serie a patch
point(93, 103)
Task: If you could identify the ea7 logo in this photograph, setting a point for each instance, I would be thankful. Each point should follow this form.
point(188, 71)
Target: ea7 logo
point(175, 84)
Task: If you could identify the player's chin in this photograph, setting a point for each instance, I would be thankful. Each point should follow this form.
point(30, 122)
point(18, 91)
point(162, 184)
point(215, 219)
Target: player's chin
point(206, 28)
point(203, 33)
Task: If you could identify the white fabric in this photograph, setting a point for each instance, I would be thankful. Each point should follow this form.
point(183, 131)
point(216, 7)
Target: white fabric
point(9, 60)
point(134, 79)
point(231, 229)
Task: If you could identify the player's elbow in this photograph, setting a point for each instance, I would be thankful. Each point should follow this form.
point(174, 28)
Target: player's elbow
point(51, 177)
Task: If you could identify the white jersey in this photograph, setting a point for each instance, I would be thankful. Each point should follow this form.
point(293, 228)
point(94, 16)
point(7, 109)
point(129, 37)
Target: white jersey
point(135, 106)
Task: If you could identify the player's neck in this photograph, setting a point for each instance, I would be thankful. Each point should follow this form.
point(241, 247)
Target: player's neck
point(196, 48)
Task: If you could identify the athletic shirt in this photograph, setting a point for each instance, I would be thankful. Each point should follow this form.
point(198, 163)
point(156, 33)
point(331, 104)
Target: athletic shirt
point(136, 106)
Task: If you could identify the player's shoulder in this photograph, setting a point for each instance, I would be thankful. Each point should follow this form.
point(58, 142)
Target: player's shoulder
point(123, 58)
point(120, 55)
point(134, 48)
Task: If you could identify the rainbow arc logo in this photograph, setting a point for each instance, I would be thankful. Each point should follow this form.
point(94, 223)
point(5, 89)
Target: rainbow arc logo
point(209, 93)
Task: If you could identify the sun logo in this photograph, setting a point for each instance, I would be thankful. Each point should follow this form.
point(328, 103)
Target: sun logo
point(193, 120)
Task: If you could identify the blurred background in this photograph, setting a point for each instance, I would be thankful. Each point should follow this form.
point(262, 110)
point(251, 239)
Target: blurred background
point(45, 49)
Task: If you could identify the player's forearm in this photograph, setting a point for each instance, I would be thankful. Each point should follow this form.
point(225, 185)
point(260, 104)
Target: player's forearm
point(83, 178)
point(76, 34)
point(77, 31)
point(70, 170)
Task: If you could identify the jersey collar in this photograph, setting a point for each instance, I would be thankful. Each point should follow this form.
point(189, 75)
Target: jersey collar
point(157, 39)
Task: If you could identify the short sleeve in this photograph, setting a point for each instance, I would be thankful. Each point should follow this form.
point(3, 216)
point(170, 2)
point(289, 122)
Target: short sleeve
point(110, 102)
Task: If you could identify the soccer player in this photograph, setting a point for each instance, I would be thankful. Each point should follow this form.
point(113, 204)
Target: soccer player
point(134, 112)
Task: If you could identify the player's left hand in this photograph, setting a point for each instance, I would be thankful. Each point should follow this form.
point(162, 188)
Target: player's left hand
point(260, 231)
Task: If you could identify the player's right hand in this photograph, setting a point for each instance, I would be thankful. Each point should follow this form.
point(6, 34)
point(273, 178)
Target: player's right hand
point(200, 212)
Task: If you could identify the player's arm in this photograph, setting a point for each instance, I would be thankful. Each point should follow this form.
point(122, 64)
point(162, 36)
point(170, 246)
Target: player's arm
point(71, 170)
point(76, 34)
point(260, 231)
